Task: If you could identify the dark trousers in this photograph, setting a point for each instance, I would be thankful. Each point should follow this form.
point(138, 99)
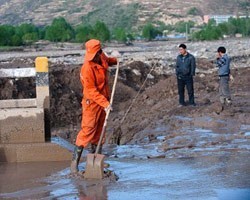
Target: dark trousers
point(188, 82)
point(224, 87)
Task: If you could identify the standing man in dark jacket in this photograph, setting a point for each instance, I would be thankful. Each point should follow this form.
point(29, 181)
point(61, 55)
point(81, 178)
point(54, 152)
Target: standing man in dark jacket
point(185, 70)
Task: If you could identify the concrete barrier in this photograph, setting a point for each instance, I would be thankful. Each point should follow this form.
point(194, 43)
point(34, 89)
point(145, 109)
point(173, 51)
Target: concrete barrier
point(21, 125)
point(18, 103)
point(25, 123)
point(35, 152)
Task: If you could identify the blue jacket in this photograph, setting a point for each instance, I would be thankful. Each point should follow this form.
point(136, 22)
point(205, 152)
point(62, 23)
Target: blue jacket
point(185, 65)
point(223, 64)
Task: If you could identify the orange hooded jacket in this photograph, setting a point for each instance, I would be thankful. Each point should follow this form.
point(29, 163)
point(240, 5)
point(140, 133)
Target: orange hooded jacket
point(95, 98)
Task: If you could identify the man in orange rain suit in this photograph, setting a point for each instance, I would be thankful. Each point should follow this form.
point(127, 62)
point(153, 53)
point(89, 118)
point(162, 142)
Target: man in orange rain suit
point(95, 102)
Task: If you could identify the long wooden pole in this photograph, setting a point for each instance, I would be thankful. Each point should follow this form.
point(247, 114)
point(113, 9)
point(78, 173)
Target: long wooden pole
point(107, 114)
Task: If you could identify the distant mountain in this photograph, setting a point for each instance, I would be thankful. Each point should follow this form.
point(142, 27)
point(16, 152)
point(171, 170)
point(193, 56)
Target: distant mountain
point(116, 13)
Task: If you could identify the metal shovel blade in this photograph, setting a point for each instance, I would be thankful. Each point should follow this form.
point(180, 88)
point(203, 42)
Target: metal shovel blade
point(94, 166)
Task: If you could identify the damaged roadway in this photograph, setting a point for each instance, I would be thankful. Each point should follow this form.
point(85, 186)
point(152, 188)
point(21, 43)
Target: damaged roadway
point(166, 151)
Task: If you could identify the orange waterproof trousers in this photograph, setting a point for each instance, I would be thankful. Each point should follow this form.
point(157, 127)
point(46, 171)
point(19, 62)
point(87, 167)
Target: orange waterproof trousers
point(91, 127)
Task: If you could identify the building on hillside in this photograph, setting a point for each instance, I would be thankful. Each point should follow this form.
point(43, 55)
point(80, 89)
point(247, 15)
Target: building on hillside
point(220, 18)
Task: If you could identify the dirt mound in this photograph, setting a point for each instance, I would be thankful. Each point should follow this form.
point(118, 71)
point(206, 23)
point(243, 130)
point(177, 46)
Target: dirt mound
point(22, 88)
point(66, 96)
point(155, 107)
point(204, 63)
point(66, 89)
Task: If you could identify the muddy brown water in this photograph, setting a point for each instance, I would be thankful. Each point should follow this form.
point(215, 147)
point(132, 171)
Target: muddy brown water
point(223, 175)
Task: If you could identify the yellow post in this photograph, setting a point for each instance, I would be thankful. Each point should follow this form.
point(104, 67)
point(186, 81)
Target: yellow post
point(42, 64)
point(42, 82)
point(42, 90)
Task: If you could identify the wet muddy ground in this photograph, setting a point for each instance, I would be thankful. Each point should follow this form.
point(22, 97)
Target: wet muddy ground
point(166, 151)
point(217, 170)
point(221, 176)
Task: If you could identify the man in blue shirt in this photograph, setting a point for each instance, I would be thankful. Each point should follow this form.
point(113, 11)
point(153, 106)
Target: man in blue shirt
point(185, 70)
point(223, 64)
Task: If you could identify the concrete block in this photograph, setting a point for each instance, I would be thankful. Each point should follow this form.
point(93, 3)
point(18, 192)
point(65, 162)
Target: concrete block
point(35, 152)
point(21, 125)
point(18, 103)
point(18, 72)
point(7, 153)
point(42, 94)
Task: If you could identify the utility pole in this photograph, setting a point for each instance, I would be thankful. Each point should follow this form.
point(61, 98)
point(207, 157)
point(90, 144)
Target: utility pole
point(186, 31)
point(237, 9)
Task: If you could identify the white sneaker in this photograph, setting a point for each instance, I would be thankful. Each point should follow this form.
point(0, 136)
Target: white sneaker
point(229, 102)
point(222, 100)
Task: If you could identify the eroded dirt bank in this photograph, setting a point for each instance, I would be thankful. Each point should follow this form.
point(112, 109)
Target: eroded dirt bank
point(156, 106)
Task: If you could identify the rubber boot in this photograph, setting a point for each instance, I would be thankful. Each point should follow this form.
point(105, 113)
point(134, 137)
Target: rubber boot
point(93, 148)
point(228, 101)
point(76, 158)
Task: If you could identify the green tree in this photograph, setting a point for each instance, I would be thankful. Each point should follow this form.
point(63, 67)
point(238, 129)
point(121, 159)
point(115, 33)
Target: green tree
point(29, 38)
point(149, 31)
point(6, 34)
point(59, 31)
point(161, 26)
point(130, 37)
point(83, 33)
point(236, 24)
point(240, 25)
point(209, 32)
point(248, 26)
point(224, 28)
point(181, 26)
point(28, 33)
point(16, 40)
point(25, 28)
point(120, 34)
point(101, 31)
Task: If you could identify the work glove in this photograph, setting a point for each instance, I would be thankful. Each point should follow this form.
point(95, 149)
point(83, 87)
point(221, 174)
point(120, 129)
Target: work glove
point(231, 78)
point(109, 107)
